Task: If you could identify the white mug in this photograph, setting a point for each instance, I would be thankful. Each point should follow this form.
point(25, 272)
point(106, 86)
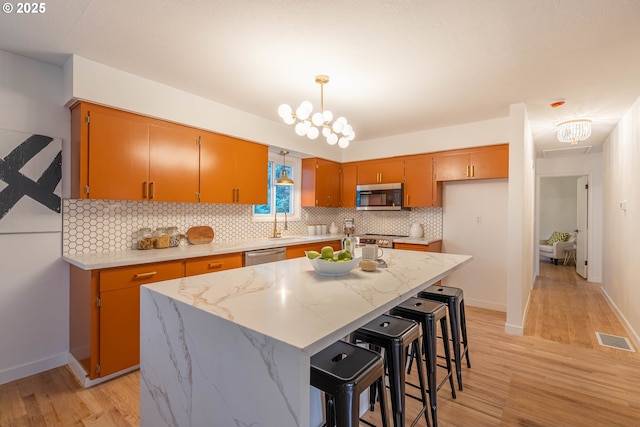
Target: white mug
point(372, 252)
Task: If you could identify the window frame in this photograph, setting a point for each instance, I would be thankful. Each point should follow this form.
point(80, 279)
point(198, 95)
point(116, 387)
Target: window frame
point(296, 164)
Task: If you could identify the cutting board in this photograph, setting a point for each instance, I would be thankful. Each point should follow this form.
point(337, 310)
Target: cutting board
point(200, 235)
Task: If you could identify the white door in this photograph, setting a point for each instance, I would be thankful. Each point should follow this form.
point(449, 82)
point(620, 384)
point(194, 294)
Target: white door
point(581, 223)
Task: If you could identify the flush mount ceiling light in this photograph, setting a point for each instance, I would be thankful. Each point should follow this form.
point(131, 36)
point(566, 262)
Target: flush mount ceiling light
point(309, 124)
point(284, 179)
point(574, 130)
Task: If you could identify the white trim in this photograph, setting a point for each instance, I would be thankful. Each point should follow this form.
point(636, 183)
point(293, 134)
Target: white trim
point(296, 163)
point(519, 330)
point(81, 375)
point(32, 368)
point(485, 304)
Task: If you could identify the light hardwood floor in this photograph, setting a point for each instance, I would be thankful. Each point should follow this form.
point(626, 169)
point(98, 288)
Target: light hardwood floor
point(555, 375)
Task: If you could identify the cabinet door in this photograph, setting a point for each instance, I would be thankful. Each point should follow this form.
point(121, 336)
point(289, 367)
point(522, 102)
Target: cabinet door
point(211, 264)
point(174, 164)
point(377, 172)
point(491, 162)
point(451, 167)
point(118, 155)
point(348, 185)
point(418, 188)
point(217, 169)
point(119, 330)
point(327, 183)
point(251, 172)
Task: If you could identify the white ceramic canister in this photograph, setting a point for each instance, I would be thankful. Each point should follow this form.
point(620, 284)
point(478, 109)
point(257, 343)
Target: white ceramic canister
point(415, 230)
point(334, 228)
point(311, 230)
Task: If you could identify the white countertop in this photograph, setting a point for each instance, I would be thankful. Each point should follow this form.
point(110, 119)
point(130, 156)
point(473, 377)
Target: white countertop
point(93, 261)
point(288, 302)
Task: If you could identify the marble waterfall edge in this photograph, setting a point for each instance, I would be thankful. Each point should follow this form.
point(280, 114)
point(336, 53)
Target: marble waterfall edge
point(214, 368)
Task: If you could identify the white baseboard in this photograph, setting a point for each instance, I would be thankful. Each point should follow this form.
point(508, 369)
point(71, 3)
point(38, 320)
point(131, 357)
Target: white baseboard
point(513, 329)
point(32, 368)
point(81, 375)
point(627, 326)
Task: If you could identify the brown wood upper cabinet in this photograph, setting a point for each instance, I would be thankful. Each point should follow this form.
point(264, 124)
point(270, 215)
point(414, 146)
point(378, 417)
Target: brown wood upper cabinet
point(232, 170)
point(381, 171)
point(118, 155)
point(348, 183)
point(124, 156)
point(473, 163)
point(419, 188)
point(320, 183)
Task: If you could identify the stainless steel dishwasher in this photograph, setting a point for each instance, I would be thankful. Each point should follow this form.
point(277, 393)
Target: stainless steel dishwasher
point(262, 256)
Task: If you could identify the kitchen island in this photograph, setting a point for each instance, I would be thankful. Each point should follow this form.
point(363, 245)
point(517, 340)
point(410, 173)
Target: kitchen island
point(233, 347)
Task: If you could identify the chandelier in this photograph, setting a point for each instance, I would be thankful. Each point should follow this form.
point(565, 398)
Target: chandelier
point(574, 130)
point(311, 125)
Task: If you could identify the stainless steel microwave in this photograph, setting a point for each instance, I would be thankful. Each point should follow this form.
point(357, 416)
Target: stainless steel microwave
point(380, 197)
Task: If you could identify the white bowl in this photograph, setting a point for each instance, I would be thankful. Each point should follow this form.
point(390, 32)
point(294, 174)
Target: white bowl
point(329, 268)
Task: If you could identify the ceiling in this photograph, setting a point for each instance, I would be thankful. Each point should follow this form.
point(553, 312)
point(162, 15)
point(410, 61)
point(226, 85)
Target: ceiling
point(395, 66)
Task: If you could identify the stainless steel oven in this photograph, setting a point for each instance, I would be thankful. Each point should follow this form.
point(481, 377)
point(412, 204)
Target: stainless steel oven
point(382, 240)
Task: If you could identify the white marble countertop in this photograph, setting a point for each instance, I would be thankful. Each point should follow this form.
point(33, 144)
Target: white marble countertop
point(288, 302)
point(93, 261)
point(415, 240)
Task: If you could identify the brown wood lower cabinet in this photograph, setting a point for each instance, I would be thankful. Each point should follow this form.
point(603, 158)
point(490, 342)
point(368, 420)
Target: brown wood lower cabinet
point(211, 264)
point(104, 306)
point(431, 247)
point(297, 251)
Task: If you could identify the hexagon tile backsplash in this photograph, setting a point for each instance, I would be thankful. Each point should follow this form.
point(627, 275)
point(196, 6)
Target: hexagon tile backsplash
point(111, 225)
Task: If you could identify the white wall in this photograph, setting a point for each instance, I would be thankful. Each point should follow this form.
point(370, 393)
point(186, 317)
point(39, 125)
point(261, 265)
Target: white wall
point(621, 233)
point(590, 165)
point(475, 223)
point(520, 244)
point(34, 295)
point(558, 205)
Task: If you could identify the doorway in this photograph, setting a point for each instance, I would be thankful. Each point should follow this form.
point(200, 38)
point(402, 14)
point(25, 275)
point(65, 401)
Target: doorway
point(563, 206)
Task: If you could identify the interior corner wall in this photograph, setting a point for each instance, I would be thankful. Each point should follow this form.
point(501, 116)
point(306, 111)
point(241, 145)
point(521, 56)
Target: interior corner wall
point(621, 208)
point(34, 296)
point(520, 258)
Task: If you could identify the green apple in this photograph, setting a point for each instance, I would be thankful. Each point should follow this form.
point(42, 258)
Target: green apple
point(313, 254)
point(326, 252)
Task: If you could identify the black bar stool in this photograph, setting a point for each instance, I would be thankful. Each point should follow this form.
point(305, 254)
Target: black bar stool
point(343, 371)
point(395, 335)
point(454, 298)
point(427, 313)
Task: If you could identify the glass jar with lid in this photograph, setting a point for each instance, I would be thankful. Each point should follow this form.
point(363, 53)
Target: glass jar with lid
point(174, 237)
point(145, 239)
point(161, 238)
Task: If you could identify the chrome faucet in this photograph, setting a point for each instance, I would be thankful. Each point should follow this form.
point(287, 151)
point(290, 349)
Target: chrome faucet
point(275, 222)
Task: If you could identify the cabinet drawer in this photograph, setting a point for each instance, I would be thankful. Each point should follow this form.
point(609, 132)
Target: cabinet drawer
point(431, 247)
point(297, 251)
point(212, 264)
point(125, 277)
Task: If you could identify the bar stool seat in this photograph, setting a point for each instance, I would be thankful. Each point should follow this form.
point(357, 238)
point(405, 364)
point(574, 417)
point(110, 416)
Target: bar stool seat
point(343, 371)
point(454, 298)
point(396, 335)
point(428, 313)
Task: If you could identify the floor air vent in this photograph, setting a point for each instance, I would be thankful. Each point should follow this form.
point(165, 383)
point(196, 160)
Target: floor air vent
point(614, 341)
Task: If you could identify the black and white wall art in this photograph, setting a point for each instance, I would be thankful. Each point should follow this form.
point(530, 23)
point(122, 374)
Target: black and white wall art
point(30, 182)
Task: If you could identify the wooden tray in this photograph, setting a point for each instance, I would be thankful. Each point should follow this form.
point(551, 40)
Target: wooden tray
point(200, 235)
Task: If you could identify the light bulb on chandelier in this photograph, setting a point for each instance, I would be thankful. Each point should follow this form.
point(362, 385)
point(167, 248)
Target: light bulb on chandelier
point(310, 124)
